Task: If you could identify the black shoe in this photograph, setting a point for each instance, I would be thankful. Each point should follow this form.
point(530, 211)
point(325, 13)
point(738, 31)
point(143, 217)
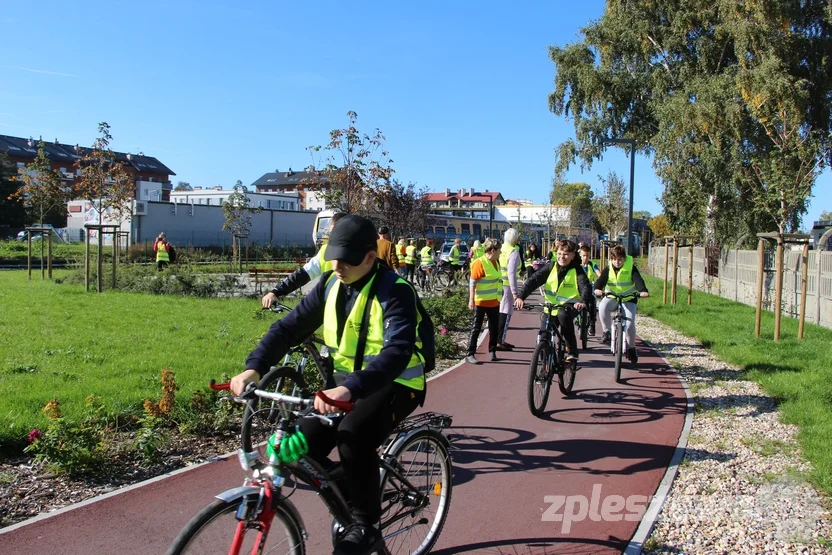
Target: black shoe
point(493, 356)
point(503, 347)
point(509, 345)
point(632, 355)
point(606, 337)
point(359, 539)
point(592, 331)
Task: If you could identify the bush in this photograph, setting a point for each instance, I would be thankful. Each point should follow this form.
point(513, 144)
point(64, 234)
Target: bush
point(175, 280)
point(450, 311)
point(445, 346)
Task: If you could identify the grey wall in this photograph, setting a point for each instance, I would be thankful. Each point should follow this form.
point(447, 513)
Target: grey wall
point(201, 226)
point(738, 271)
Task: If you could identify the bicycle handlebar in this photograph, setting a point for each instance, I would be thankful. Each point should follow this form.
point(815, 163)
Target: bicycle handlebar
point(251, 390)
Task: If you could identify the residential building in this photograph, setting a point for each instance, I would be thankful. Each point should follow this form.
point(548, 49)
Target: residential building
point(216, 196)
point(307, 184)
point(152, 177)
point(465, 203)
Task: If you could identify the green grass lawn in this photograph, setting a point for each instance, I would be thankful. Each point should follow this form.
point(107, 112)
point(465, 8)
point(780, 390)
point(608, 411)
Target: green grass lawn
point(798, 374)
point(58, 342)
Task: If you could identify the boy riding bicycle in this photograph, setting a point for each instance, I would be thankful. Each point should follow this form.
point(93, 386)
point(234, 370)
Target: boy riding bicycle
point(358, 303)
point(623, 278)
point(564, 281)
point(591, 271)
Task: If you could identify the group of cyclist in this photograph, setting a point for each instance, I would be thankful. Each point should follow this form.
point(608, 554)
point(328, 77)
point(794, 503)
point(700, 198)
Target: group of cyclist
point(376, 333)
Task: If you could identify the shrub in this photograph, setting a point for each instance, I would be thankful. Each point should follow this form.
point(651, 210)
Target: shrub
point(450, 311)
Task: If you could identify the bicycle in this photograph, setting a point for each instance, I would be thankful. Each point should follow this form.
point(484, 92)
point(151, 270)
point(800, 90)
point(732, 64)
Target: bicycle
point(298, 356)
point(548, 359)
point(426, 279)
point(258, 517)
point(447, 276)
point(582, 325)
point(619, 330)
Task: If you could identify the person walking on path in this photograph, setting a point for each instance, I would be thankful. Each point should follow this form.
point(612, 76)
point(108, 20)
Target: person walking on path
point(410, 259)
point(510, 270)
point(162, 249)
point(484, 295)
point(401, 252)
point(386, 249)
point(316, 266)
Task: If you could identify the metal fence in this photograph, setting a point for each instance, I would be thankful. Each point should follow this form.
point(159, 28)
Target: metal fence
point(737, 278)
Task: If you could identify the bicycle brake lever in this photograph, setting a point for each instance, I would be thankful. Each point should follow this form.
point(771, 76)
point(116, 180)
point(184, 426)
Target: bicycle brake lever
point(327, 421)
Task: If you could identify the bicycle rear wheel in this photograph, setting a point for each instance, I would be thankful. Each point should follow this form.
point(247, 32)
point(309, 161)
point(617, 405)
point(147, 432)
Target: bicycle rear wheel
point(215, 529)
point(539, 382)
point(260, 415)
point(566, 376)
point(411, 520)
point(619, 348)
point(584, 327)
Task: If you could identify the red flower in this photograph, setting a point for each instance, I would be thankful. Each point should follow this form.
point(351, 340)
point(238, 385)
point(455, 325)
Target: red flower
point(33, 435)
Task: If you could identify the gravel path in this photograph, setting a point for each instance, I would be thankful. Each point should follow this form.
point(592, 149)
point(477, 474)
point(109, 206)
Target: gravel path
point(741, 486)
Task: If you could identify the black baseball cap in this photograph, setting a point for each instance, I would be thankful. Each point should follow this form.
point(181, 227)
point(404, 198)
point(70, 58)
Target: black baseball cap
point(351, 240)
point(383, 230)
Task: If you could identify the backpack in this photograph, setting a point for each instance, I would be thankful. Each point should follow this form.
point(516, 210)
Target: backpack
point(171, 253)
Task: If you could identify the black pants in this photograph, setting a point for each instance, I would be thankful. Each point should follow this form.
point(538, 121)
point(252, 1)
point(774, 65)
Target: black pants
point(161, 264)
point(358, 437)
point(566, 320)
point(493, 314)
point(593, 312)
point(411, 269)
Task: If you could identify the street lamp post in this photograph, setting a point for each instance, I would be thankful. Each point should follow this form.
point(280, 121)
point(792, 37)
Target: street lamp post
point(632, 144)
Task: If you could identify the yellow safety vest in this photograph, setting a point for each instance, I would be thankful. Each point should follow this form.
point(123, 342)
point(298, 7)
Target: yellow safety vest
point(621, 283)
point(161, 254)
point(489, 287)
point(505, 252)
point(590, 272)
point(427, 257)
point(566, 290)
point(326, 265)
point(453, 258)
point(411, 254)
point(343, 353)
point(402, 251)
point(479, 252)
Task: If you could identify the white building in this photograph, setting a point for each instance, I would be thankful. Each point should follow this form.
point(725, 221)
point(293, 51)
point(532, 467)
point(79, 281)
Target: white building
point(216, 196)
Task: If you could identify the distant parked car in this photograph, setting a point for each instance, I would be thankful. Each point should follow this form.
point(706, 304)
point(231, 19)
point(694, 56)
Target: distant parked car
point(23, 234)
point(445, 252)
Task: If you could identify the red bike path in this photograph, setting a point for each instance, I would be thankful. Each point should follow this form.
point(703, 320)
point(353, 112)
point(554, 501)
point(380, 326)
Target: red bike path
point(608, 439)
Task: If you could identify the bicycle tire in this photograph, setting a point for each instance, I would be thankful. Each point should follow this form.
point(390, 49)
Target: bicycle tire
point(391, 491)
point(619, 348)
point(312, 383)
point(211, 532)
point(539, 378)
point(584, 328)
point(260, 415)
point(566, 377)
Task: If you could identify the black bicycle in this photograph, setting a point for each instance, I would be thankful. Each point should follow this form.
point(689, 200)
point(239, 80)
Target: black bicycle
point(582, 325)
point(258, 517)
point(548, 360)
point(311, 349)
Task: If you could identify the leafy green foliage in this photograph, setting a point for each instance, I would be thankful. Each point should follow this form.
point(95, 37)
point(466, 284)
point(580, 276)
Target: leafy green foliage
point(12, 211)
point(449, 311)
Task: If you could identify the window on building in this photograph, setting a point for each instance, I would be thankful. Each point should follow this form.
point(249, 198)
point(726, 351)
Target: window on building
point(477, 230)
point(466, 228)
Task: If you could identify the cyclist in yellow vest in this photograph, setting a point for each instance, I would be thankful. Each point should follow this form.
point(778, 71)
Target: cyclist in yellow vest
point(455, 260)
point(563, 281)
point(410, 259)
point(316, 266)
point(427, 262)
point(620, 277)
point(386, 387)
point(485, 291)
point(591, 271)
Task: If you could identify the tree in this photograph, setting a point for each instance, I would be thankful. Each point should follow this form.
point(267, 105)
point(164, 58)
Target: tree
point(659, 226)
point(641, 215)
point(355, 166)
point(183, 186)
point(577, 197)
point(12, 211)
point(103, 182)
point(610, 206)
point(237, 211)
point(671, 76)
point(41, 188)
point(826, 215)
point(402, 208)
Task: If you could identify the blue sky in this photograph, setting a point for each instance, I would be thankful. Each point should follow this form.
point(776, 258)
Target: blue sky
point(220, 93)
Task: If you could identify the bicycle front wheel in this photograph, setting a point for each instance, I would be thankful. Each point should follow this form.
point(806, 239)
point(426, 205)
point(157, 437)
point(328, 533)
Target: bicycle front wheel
point(566, 379)
point(619, 348)
point(216, 530)
point(412, 518)
point(539, 382)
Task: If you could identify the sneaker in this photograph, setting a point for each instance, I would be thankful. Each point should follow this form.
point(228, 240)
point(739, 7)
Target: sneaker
point(509, 345)
point(606, 337)
point(632, 355)
point(493, 356)
point(571, 358)
point(471, 359)
point(592, 331)
point(359, 539)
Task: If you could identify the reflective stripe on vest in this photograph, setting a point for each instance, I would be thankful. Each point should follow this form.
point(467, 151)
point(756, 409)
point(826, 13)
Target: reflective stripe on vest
point(567, 290)
point(326, 265)
point(343, 353)
point(427, 256)
point(411, 254)
point(621, 283)
point(489, 287)
point(161, 254)
point(505, 253)
point(453, 258)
